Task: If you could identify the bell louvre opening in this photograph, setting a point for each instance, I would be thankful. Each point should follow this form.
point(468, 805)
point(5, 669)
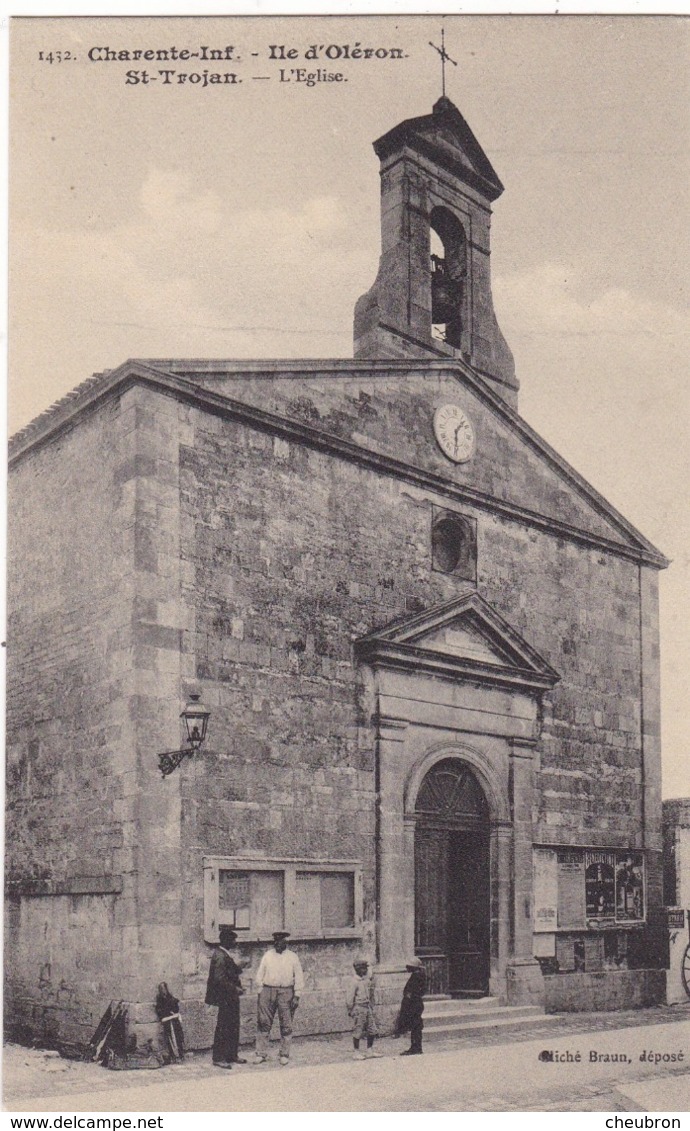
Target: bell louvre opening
point(448, 265)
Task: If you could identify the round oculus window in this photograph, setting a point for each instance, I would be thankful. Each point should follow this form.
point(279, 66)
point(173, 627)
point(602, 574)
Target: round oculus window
point(448, 543)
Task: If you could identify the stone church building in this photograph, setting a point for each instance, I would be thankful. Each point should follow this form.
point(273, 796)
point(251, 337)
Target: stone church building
point(428, 646)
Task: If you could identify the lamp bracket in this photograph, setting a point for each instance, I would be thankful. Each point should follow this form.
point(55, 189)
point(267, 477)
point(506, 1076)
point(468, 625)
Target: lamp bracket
point(169, 760)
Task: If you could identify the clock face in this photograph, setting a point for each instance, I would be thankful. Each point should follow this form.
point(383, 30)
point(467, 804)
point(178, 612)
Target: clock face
point(454, 433)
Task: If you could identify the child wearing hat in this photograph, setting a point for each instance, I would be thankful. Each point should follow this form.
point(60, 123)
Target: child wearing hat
point(412, 1007)
point(360, 1006)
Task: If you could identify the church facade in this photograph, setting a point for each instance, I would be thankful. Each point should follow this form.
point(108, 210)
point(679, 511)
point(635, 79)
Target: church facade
point(428, 646)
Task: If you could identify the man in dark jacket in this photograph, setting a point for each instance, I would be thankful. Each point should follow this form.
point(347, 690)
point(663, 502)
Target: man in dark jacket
point(224, 989)
point(412, 1007)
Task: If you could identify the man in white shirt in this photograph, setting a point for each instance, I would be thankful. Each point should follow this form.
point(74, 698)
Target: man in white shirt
point(280, 982)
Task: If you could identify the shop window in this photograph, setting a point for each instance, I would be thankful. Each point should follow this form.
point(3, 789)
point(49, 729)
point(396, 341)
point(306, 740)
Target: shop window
point(311, 899)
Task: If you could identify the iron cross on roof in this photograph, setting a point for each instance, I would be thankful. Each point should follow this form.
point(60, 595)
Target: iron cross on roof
point(444, 55)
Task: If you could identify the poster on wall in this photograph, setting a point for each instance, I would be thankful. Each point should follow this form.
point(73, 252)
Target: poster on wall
point(545, 889)
point(579, 888)
point(600, 888)
point(571, 889)
point(629, 887)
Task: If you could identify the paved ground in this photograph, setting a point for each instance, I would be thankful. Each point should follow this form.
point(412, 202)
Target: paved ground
point(494, 1072)
point(669, 1093)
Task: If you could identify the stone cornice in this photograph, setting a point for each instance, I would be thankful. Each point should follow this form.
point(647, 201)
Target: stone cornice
point(390, 722)
point(420, 133)
point(402, 645)
point(163, 376)
point(522, 748)
point(407, 657)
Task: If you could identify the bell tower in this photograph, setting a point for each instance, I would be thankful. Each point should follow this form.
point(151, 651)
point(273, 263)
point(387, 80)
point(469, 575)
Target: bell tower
point(432, 295)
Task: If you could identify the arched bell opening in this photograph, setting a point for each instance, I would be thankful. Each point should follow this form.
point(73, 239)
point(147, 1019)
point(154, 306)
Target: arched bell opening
point(448, 250)
point(453, 880)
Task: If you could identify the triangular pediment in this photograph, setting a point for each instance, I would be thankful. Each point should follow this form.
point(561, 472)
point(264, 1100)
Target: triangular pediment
point(370, 404)
point(448, 139)
point(353, 408)
point(445, 136)
point(461, 638)
point(465, 638)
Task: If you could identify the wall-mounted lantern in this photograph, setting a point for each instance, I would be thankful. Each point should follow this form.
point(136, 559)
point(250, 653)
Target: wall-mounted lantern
point(196, 724)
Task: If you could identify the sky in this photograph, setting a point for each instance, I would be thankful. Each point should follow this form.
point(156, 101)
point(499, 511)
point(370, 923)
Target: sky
point(242, 220)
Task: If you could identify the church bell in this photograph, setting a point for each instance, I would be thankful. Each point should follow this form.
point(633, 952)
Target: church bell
point(446, 293)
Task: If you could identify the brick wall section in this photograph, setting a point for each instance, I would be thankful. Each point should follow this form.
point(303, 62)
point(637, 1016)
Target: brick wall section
point(289, 769)
point(63, 964)
point(60, 684)
point(158, 620)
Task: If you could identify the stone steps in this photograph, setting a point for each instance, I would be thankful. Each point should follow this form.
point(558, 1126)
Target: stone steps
point(470, 1005)
point(456, 1017)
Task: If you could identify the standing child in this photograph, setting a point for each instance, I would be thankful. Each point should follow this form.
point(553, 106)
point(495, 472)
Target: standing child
point(360, 1006)
point(412, 1007)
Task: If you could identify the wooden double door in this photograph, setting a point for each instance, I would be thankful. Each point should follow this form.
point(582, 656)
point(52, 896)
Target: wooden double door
point(452, 886)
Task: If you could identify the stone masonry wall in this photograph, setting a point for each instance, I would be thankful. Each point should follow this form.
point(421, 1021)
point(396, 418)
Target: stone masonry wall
point(604, 991)
point(292, 555)
point(67, 866)
point(157, 548)
point(95, 686)
point(301, 553)
point(61, 549)
point(391, 411)
point(63, 965)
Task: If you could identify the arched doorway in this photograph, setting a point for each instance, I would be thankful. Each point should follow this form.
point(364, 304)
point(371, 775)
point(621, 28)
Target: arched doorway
point(452, 880)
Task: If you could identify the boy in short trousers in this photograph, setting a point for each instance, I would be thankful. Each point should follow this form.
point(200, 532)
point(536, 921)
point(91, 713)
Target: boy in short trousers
point(360, 1006)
